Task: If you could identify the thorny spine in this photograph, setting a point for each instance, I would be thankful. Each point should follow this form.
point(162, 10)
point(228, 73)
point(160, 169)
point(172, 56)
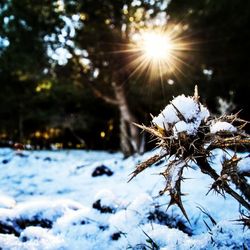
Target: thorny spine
point(198, 148)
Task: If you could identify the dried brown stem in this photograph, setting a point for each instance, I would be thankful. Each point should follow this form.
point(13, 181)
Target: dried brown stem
point(243, 186)
point(207, 169)
point(185, 147)
point(151, 131)
point(236, 141)
point(142, 166)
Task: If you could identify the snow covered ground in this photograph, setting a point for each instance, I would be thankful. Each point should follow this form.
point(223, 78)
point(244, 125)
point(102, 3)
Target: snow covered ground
point(81, 200)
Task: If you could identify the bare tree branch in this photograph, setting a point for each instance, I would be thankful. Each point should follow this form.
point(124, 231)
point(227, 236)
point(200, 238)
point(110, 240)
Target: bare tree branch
point(104, 97)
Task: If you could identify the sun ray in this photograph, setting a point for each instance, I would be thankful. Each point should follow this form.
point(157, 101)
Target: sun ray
point(157, 52)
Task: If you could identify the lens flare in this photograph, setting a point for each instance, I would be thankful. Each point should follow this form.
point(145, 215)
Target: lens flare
point(156, 46)
point(157, 52)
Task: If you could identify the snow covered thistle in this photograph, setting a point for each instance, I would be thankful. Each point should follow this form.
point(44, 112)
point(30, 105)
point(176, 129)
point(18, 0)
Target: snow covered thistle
point(187, 133)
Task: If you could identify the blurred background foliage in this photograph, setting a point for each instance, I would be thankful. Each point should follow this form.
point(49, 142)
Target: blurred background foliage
point(58, 60)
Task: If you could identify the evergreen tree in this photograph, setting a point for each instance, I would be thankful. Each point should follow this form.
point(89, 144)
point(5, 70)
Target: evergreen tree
point(220, 32)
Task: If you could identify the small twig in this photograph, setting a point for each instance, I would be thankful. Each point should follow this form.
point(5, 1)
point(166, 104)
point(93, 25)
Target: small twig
point(142, 166)
point(220, 142)
point(152, 131)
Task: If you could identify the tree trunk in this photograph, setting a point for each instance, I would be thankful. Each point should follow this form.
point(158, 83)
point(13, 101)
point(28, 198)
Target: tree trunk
point(130, 139)
point(20, 124)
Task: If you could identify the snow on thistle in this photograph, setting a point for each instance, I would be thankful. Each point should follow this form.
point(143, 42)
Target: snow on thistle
point(182, 115)
point(186, 133)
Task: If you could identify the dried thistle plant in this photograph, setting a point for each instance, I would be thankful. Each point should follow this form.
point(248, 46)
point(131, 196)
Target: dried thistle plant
point(187, 133)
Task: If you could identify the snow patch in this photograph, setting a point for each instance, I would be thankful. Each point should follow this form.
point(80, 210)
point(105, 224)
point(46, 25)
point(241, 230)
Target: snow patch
point(244, 165)
point(7, 202)
point(184, 114)
point(41, 238)
point(66, 220)
point(222, 126)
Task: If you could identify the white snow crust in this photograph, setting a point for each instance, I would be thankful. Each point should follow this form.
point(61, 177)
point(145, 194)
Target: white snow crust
point(192, 112)
point(57, 191)
point(222, 126)
point(244, 165)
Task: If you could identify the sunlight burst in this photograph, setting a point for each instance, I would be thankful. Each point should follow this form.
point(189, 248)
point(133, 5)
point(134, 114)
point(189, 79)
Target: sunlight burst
point(156, 46)
point(157, 53)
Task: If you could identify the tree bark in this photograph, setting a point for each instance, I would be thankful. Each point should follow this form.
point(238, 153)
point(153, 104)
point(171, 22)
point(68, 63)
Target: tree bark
point(130, 140)
point(20, 123)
